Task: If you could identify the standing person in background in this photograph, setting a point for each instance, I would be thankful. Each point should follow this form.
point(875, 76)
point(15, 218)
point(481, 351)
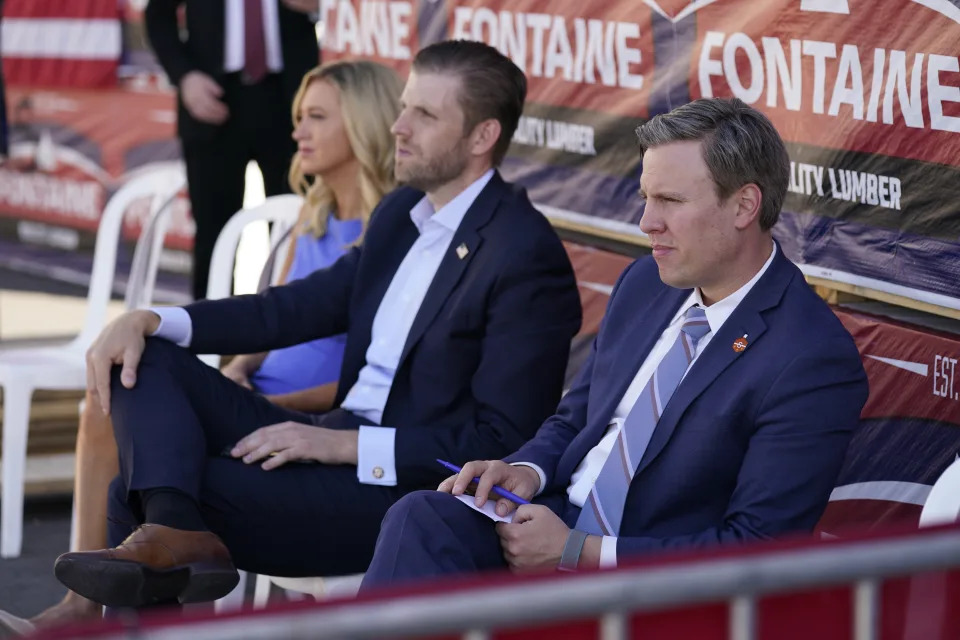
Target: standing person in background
point(236, 73)
point(342, 116)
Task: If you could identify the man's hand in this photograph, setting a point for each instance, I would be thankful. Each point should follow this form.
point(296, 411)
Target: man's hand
point(535, 539)
point(288, 441)
point(303, 6)
point(523, 481)
point(201, 96)
point(121, 342)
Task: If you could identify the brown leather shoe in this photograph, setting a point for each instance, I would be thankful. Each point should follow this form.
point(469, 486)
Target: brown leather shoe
point(155, 564)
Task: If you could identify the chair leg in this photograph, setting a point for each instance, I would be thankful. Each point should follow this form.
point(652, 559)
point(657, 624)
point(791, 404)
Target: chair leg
point(342, 586)
point(16, 421)
point(74, 525)
point(233, 601)
point(261, 592)
point(293, 595)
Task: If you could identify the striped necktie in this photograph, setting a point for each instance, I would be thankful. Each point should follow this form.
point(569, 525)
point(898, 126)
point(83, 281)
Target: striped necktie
point(603, 510)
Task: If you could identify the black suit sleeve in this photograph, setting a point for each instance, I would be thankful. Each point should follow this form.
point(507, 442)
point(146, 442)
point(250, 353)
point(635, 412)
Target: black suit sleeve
point(315, 307)
point(533, 313)
point(163, 31)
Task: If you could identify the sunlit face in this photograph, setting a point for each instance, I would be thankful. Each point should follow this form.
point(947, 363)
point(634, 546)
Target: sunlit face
point(692, 233)
point(322, 143)
point(431, 147)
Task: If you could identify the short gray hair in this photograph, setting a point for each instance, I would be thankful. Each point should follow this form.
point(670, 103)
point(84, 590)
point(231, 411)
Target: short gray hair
point(740, 146)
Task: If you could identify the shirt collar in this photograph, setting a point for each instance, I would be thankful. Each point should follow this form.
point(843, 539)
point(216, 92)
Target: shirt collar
point(451, 214)
point(719, 311)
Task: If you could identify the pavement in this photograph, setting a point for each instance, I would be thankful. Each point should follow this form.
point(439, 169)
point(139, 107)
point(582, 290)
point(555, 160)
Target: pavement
point(27, 583)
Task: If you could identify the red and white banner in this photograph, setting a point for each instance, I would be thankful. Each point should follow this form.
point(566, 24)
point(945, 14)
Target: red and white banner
point(70, 150)
point(866, 95)
point(61, 43)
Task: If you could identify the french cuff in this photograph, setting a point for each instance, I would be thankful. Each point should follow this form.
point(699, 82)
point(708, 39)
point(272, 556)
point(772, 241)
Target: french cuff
point(608, 552)
point(376, 463)
point(540, 473)
point(175, 325)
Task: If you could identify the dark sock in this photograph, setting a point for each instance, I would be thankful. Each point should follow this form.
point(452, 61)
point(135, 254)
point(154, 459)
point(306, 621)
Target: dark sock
point(171, 508)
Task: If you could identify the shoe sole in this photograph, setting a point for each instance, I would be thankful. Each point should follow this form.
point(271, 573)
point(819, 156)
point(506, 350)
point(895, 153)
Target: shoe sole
point(125, 584)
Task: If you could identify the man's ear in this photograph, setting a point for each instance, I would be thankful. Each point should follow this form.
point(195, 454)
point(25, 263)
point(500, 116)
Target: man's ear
point(484, 136)
point(748, 199)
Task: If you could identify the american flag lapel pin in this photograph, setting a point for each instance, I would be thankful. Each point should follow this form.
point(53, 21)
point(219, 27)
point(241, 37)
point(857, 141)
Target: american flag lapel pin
point(740, 344)
point(462, 250)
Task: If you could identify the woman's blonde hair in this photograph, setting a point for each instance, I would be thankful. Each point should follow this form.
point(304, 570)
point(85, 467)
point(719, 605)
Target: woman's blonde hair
point(369, 105)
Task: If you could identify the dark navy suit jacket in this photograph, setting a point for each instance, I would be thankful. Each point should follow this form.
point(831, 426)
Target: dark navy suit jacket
point(751, 442)
point(483, 363)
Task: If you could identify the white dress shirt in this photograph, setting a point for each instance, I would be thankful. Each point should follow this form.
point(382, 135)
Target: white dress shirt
point(585, 475)
point(233, 42)
point(391, 324)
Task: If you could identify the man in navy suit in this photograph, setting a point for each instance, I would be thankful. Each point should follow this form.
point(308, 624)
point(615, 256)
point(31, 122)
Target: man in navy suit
point(458, 308)
point(715, 407)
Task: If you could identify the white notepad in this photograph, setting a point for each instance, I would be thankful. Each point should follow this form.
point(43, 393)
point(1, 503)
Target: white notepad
point(487, 509)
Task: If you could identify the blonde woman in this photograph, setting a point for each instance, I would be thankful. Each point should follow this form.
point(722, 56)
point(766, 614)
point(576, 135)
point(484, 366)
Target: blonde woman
point(342, 115)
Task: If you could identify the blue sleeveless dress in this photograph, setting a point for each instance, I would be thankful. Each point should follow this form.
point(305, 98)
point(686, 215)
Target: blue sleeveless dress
point(318, 362)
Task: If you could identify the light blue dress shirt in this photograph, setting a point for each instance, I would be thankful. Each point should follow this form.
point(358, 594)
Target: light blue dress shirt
point(391, 325)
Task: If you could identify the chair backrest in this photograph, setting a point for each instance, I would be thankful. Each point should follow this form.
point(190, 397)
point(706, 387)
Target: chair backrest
point(160, 183)
point(281, 212)
point(146, 254)
point(943, 504)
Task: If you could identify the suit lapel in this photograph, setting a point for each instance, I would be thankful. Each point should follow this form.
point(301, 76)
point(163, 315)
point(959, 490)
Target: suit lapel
point(389, 261)
point(645, 323)
point(453, 265)
point(720, 354)
point(637, 344)
point(384, 267)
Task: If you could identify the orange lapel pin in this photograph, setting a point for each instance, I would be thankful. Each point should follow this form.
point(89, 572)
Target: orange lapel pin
point(740, 344)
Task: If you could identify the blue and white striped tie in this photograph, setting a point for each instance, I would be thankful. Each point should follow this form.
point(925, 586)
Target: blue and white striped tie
point(603, 510)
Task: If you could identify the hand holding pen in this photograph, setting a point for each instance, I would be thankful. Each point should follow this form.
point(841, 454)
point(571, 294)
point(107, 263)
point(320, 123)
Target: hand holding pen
point(515, 484)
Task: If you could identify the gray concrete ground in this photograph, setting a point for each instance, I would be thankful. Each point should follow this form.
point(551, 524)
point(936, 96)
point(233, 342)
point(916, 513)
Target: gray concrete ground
point(27, 583)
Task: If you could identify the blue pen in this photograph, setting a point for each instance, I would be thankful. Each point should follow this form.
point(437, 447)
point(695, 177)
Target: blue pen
point(500, 491)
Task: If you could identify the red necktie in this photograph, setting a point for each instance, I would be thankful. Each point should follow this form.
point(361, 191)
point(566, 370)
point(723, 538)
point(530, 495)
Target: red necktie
point(255, 48)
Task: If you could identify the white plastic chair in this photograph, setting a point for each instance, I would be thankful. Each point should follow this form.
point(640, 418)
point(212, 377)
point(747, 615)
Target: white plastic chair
point(942, 506)
point(927, 600)
point(141, 281)
point(22, 370)
point(282, 212)
point(319, 588)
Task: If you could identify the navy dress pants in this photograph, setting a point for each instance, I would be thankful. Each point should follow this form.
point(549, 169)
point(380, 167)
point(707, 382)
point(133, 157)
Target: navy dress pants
point(172, 429)
point(429, 534)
